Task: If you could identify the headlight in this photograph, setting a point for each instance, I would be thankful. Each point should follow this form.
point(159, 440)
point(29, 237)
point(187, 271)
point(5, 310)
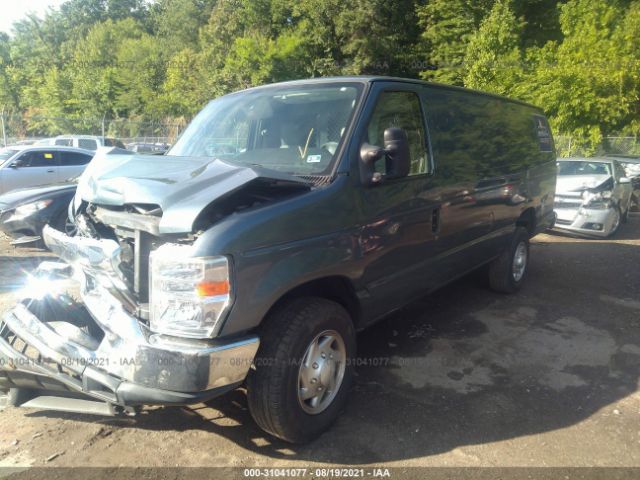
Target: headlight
point(597, 200)
point(188, 295)
point(30, 208)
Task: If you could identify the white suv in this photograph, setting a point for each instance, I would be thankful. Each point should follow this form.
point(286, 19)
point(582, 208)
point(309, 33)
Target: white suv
point(87, 142)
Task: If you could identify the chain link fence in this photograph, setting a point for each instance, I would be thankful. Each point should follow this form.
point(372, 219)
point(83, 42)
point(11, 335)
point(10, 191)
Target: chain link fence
point(568, 146)
point(25, 128)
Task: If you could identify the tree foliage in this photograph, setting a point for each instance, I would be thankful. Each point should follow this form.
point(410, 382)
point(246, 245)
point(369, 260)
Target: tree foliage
point(577, 59)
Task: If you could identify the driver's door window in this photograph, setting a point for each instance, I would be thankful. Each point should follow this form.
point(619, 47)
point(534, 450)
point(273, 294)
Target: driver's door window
point(401, 110)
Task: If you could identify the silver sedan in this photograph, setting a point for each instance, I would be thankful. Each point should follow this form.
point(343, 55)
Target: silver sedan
point(593, 196)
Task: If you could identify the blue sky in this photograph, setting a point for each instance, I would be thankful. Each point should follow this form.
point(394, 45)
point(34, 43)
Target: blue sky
point(12, 10)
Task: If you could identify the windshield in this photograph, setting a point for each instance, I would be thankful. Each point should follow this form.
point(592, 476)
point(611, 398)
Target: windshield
point(6, 154)
point(632, 169)
point(584, 168)
point(293, 129)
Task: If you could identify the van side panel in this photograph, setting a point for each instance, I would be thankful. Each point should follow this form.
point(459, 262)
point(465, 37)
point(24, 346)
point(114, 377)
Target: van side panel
point(497, 154)
point(494, 160)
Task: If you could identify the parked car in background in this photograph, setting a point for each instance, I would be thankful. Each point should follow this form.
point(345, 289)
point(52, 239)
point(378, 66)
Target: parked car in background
point(24, 142)
point(631, 164)
point(87, 142)
point(25, 212)
point(152, 148)
point(286, 218)
point(593, 196)
point(30, 166)
point(45, 141)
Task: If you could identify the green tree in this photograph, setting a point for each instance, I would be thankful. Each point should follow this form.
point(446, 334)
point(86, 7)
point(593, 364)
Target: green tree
point(9, 91)
point(176, 23)
point(588, 83)
point(447, 27)
point(493, 58)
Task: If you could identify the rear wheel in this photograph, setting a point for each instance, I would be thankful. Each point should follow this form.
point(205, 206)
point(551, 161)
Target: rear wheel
point(303, 369)
point(508, 271)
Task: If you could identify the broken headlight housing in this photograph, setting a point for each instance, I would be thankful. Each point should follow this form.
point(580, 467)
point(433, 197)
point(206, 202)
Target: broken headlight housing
point(189, 295)
point(29, 209)
point(597, 200)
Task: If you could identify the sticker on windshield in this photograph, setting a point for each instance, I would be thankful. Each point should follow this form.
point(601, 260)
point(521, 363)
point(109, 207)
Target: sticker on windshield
point(48, 155)
point(314, 158)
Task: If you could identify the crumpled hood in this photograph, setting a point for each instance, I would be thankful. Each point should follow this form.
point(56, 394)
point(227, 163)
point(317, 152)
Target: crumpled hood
point(181, 186)
point(575, 184)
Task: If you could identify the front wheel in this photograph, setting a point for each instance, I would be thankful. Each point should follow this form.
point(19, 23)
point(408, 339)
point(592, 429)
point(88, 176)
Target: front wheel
point(303, 370)
point(508, 271)
point(615, 223)
point(64, 224)
point(625, 216)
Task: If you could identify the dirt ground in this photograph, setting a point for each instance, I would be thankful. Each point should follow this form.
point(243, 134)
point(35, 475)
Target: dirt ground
point(546, 377)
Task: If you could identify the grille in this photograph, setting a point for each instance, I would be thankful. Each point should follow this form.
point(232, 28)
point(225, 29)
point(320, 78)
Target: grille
point(34, 356)
point(568, 204)
point(563, 222)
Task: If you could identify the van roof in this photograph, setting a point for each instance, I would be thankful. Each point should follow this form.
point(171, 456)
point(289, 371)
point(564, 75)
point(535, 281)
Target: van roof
point(381, 78)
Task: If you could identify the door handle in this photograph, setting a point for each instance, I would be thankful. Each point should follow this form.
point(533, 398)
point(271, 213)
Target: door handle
point(51, 171)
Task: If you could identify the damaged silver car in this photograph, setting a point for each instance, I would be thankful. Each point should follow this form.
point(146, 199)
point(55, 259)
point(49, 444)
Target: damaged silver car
point(593, 196)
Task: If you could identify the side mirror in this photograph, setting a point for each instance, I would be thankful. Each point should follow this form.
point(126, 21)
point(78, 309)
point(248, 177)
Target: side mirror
point(624, 180)
point(14, 165)
point(395, 152)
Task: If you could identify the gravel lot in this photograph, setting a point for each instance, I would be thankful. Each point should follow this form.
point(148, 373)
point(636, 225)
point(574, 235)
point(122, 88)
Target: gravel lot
point(547, 377)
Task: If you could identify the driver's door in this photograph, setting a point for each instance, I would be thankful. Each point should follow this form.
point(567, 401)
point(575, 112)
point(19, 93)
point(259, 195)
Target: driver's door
point(401, 225)
point(30, 169)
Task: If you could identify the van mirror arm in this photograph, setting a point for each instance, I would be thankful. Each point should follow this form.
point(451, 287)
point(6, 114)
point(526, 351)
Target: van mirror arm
point(395, 153)
point(369, 155)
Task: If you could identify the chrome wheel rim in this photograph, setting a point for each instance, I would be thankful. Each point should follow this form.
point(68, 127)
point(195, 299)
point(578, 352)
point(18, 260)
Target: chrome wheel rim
point(519, 261)
point(321, 372)
point(70, 228)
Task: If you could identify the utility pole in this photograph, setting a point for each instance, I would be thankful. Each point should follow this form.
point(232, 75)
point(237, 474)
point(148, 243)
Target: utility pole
point(4, 132)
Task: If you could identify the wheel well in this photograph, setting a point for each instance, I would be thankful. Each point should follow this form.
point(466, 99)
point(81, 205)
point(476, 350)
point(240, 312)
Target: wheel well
point(527, 220)
point(336, 288)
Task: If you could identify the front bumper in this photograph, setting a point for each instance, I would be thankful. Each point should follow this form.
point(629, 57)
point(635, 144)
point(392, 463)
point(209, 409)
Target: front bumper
point(52, 342)
point(586, 221)
point(23, 229)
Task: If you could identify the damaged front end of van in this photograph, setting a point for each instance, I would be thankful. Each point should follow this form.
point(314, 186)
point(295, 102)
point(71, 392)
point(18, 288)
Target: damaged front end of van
point(131, 313)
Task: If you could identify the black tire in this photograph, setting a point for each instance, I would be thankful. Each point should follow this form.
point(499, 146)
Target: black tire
point(273, 382)
point(502, 278)
point(625, 216)
point(18, 396)
point(615, 229)
point(61, 223)
point(634, 203)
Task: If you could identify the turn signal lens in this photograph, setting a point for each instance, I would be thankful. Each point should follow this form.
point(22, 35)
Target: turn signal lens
point(213, 289)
